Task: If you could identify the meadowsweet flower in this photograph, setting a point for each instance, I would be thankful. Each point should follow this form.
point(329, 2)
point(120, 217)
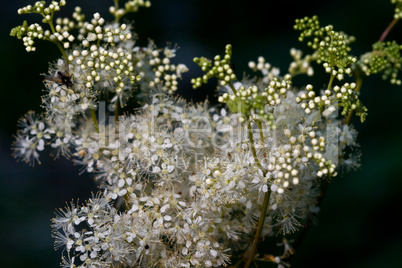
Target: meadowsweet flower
point(30, 139)
point(183, 184)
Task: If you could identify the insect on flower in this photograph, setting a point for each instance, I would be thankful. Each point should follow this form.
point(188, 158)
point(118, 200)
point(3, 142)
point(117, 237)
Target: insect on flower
point(61, 77)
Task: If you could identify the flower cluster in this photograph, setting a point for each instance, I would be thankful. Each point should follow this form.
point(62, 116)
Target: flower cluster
point(130, 6)
point(105, 64)
point(385, 58)
point(300, 65)
point(183, 184)
point(331, 49)
point(398, 8)
point(220, 68)
point(29, 33)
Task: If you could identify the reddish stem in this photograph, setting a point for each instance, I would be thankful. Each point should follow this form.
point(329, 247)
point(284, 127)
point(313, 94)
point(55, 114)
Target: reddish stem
point(388, 29)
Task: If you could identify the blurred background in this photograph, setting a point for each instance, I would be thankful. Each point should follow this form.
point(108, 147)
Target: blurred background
point(358, 224)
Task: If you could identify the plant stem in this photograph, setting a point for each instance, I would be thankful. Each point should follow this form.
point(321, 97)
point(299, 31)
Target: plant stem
point(94, 119)
point(261, 134)
point(267, 195)
point(116, 117)
point(116, 7)
point(388, 29)
point(254, 152)
point(63, 52)
point(324, 186)
point(331, 79)
point(259, 228)
point(232, 87)
point(359, 82)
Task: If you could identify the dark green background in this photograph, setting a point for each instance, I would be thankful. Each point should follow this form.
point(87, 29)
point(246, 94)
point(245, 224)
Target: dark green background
point(359, 222)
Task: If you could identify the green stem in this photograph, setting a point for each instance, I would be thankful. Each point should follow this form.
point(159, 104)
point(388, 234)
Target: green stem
point(94, 119)
point(261, 134)
point(63, 52)
point(254, 152)
point(232, 87)
point(267, 195)
point(116, 111)
point(331, 80)
point(359, 82)
point(116, 117)
point(259, 228)
point(116, 7)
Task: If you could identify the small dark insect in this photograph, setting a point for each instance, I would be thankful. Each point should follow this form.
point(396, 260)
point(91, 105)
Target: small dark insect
point(61, 77)
point(146, 247)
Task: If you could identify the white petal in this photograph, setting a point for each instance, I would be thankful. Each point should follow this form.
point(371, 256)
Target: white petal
point(265, 188)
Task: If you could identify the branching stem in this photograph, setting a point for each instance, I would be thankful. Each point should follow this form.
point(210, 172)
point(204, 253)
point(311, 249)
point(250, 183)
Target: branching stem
point(63, 52)
point(267, 195)
point(116, 7)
